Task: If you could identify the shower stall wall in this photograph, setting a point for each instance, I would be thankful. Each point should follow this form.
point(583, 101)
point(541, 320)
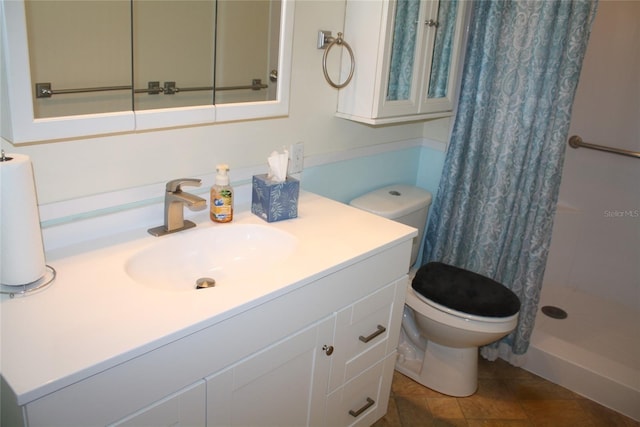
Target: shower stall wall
point(595, 350)
point(592, 271)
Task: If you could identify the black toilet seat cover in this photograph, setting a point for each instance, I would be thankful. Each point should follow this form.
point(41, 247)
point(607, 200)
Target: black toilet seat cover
point(465, 291)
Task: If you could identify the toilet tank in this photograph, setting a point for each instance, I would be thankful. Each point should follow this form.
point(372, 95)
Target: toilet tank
point(403, 203)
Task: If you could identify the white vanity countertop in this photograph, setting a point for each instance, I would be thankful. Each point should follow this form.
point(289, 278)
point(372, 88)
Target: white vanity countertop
point(94, 316)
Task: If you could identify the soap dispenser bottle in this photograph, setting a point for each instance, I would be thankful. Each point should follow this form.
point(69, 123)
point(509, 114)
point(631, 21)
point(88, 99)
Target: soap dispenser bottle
point(221, 209)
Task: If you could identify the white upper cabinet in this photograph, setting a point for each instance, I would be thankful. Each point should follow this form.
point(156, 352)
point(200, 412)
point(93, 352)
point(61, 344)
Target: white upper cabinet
point(77, 69)
point(408, 54)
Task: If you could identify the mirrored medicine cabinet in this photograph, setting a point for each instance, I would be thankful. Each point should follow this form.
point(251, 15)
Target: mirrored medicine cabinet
point(408, 70)
point(81, 68)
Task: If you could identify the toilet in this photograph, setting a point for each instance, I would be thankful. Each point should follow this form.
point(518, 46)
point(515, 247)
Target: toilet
point(449, 312)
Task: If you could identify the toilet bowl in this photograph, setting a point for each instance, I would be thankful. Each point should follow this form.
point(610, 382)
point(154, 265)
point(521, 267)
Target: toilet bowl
point(443, 323)
point(439, 346)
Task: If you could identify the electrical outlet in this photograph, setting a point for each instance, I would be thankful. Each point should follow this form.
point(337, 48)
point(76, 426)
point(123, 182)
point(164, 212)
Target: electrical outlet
point(296, 157)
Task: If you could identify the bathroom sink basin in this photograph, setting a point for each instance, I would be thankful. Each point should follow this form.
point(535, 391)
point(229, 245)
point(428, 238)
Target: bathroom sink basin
point(227, 254)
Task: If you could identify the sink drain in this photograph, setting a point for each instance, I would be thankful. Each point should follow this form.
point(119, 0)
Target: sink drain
point(205, 282)
point(554, 312)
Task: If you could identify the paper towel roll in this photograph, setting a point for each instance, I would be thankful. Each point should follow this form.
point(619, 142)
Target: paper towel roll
point(21, 248)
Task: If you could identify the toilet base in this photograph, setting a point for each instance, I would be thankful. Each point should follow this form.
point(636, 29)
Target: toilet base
point(448, 370)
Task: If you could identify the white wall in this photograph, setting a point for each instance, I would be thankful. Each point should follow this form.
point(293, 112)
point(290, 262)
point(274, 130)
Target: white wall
point(596, 245)
point(77, 168)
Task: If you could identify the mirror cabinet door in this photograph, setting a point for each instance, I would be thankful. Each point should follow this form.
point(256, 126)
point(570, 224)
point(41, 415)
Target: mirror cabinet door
point(247, 43)
point(62, 61)
point(173, 53)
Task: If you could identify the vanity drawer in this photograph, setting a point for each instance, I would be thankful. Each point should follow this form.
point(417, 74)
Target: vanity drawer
point(366, 332)
point(364, 399)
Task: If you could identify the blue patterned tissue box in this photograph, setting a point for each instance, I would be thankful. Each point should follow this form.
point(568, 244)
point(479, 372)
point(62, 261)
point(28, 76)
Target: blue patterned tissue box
point(275, 201)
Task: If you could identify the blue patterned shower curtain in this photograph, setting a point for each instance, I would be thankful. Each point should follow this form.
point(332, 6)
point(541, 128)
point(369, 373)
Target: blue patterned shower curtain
point(494, 210)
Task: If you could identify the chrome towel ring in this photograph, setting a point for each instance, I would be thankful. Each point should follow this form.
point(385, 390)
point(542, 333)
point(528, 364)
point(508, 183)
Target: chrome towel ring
point(326, 42)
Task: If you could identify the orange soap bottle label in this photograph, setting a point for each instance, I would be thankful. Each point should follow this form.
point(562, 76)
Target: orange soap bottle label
point(221, 205)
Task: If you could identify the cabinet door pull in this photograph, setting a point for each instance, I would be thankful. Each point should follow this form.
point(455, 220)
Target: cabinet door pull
point(379, 331)
point(328, 349)
point(369, 404)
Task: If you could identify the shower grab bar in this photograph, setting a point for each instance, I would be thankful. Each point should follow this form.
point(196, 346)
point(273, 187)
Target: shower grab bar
point(576, 142)
point(44, 90)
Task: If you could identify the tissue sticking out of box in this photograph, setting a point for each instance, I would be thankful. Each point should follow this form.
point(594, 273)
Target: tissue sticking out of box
point(278, 164)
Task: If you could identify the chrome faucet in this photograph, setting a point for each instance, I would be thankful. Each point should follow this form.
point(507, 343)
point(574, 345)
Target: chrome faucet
point(174, 201)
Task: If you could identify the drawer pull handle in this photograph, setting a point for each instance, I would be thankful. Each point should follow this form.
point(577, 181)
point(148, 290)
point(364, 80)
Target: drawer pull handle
point(369, 404)
point(380, 330)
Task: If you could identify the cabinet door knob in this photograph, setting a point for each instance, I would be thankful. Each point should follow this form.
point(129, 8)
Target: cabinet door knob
point(328, 349)
point(379, 331)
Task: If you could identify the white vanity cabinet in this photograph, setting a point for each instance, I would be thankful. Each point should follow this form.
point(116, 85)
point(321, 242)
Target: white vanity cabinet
point(278, 385)
point(184, 408)
point(308, 379)
point(365, 354)
point(364, 399)
point(294, 359)
point(408, 54)
point(283, 384)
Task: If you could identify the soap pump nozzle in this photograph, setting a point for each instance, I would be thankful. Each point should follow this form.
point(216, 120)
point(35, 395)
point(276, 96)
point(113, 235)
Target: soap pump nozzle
point(222, 177)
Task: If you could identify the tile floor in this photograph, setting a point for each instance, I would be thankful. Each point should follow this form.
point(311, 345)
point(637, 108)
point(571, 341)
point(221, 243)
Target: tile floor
point(507, 397)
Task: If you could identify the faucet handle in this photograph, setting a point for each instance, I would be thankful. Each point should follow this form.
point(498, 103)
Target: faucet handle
point(173, 186)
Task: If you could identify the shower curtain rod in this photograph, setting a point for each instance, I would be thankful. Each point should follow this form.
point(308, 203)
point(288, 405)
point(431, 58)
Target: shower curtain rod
point(576, 142)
